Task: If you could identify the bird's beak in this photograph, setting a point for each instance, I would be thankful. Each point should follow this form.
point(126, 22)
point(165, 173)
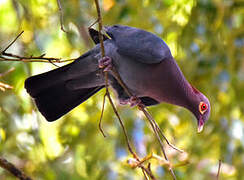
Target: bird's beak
point(200, 125)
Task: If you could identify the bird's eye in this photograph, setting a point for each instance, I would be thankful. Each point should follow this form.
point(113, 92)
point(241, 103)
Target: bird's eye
point(203, 107)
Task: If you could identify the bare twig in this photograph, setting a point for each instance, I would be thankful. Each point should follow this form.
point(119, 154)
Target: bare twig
point(149, 173)
point(7, 72)
point(13, 170)
point(95, 22)
point(101, 116)
point(12, 42)
point(128, 141)
point(100, 36)
point(35, 59)
point(167, 141)
point(4, 56)
point(151, 121)
point(61, 16)
point(217, 177)
point(145, 175)
point(4, 86)
point(123, 127)
point(100, 27)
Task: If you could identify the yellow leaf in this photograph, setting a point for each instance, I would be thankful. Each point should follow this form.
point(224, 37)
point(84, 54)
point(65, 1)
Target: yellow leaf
point(108, 4)
point(2, 134)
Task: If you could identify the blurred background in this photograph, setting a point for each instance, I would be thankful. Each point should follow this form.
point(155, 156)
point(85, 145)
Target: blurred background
point(207, 40)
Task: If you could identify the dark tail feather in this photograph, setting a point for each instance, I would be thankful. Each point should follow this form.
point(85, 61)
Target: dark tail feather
point(58, 100)
point(52, 96)
point(38, 83)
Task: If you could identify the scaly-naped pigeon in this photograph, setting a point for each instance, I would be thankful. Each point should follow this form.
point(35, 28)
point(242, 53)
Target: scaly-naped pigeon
point(145, 65)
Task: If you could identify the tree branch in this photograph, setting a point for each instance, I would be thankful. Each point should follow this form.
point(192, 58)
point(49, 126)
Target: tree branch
point(7, 72)
point(4, 86)
point(217, 176)
point(13, 170)
point(101, 116)
point(4, 56)
point(61, 16)
point(12, 42)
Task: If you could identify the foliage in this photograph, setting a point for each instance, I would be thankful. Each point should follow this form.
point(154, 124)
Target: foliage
point(206, 39)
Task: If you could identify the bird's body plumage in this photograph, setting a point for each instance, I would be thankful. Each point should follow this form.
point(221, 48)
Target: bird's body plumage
point(143, 61)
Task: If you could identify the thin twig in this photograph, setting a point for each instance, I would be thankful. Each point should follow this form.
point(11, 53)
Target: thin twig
point(4, 56)
point(149, 167)
point(149, 172)
point(30, 57)
point(100, 27)
point(101, 116)
point(13, 42)
point(145, 175)
point(123, 127)
point(7, 72)
point(100, 36)
point(217, 177)
point(150, 119)
point(36, 59)
point(95, 22)
point(128, 141)
point(12, 169)
point(99, 20)
point(61, 16)
point(167, 141)
point(4, 86)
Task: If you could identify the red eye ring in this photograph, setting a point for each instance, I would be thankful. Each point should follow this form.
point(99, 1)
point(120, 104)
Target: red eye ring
point(203, 107)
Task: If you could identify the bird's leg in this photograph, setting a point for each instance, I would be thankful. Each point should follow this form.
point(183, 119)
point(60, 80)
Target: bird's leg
point(105, 63)
point(133, 101)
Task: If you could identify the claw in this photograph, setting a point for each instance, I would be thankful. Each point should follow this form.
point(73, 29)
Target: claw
point(134, 101)
point(105, 63)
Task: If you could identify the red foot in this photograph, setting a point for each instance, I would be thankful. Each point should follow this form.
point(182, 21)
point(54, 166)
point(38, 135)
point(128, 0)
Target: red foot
point(134, 101)
point(106, 63)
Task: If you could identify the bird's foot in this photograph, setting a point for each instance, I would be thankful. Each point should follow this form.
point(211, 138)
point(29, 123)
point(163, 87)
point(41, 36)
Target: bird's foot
point(135, 101)
point(105, 63)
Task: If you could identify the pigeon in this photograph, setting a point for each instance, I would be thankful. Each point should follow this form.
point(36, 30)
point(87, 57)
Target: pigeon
point(144, 63)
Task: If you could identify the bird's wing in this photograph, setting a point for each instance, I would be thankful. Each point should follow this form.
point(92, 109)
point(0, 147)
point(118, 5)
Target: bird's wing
point(142, 46)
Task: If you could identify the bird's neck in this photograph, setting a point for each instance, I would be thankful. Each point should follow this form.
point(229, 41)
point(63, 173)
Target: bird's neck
point(178, 90)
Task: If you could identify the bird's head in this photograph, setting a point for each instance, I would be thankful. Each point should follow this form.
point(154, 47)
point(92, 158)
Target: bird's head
point(118, 31)
point(201, 109)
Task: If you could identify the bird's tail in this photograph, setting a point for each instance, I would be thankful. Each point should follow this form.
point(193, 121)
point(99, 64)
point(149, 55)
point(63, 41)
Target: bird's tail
point(52, 97)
